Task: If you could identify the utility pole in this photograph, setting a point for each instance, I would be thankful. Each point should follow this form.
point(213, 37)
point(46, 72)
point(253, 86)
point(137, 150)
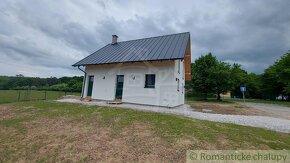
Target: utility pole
point(244, 98)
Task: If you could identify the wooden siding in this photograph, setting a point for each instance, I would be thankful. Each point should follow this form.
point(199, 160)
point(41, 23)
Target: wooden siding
point(187, 62)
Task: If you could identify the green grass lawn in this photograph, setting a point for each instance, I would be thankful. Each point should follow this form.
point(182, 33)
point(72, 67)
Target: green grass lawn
point(51, 131)
point(287, 103)
point(7, 96)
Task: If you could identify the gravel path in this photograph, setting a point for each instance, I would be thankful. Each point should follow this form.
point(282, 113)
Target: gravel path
point(281, 110)
point(276, 124)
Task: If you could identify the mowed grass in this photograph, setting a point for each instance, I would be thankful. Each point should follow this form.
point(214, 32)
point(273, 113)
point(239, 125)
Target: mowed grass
point(231, 100)
point(7, 96)
point(25, 130)
point(287, 103)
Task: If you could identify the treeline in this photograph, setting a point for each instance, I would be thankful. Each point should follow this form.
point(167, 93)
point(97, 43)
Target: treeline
point(212, 77)
point(19, 82)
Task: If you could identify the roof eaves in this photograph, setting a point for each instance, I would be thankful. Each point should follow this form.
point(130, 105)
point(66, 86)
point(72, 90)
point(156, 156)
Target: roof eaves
point(76, 64)
point(133, 61)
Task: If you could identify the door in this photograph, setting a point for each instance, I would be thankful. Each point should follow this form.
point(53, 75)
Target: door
point(119, 87)
point(90, 86)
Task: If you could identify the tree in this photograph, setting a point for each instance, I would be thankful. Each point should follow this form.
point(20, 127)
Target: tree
point(51, 81)
point(239, 78)
point(253, 84)
point(276, 80)
point(64, 79)
point(203, 78)
point(71, 83)
point(77, 86)
point(19, 75)
point(222, 78)
point(283, 70)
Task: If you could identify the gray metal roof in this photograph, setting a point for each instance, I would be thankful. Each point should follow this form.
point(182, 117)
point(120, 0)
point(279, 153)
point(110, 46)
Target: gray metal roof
point(167, 47)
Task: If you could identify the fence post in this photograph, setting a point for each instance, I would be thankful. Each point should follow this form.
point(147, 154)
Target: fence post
point(18, 95)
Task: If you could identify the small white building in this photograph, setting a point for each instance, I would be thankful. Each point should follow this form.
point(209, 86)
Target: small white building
point(150, 71)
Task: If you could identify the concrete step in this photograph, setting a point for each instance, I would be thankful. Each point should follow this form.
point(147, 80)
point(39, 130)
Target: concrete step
point(87, 99)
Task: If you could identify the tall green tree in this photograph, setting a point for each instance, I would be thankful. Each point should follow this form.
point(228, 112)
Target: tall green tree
point(222, 79)
point(283, 70)
point(253, 84)
point(203, 78)
point(271, 86)
point(239, 78)
point(276, 78)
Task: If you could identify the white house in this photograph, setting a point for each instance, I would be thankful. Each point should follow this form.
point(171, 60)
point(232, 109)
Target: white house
point(150, 71)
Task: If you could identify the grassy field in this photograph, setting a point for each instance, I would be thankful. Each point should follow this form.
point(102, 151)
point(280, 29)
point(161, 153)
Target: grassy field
point(287, 103)
point(7, 96)
point(224, 107)
point(46, 131)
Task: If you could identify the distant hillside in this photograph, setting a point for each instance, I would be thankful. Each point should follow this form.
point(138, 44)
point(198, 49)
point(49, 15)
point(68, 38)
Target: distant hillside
point(52, 83)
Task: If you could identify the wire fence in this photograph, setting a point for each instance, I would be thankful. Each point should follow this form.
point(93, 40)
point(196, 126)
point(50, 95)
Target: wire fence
point(32, 95)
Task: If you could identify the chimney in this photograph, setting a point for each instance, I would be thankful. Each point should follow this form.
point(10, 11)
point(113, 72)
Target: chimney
point(114, 39)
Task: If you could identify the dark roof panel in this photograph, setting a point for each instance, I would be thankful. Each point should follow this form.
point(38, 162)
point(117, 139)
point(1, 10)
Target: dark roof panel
point(148, 49)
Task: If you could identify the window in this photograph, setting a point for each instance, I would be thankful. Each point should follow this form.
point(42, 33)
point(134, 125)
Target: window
point(182, 88)
point(178, 85)
point(150, 81)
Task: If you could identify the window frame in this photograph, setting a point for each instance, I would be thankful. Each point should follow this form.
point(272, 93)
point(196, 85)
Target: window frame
point(146, 82)
point(182, 88)
point(177, 85)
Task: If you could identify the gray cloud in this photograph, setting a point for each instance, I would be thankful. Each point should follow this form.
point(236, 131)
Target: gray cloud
point(44, 38)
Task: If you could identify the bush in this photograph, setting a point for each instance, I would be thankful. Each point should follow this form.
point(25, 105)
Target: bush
point(77, 87)
point(58, 87)
point(33, 87)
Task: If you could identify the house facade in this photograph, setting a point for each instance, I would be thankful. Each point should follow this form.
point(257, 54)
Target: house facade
point(150, 71)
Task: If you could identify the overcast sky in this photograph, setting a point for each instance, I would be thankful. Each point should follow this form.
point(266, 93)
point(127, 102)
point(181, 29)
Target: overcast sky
point(44, 38)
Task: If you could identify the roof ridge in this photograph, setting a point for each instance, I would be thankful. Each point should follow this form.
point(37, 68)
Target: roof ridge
point(154, 37)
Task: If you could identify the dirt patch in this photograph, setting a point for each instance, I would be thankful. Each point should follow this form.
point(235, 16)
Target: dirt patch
point(226, 108)
point(64, 139)
point(71, 97)
point(89, 138)
point(61, 139)
point(6, 112)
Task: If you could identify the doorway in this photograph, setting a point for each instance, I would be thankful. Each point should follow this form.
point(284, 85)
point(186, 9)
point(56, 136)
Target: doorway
point(90, 86)
point(119, 87)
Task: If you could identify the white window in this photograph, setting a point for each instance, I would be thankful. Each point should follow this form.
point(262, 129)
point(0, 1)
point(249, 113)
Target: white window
point(178, 85)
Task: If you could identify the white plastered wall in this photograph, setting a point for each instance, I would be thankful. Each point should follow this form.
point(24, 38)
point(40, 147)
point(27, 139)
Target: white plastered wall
point(164, 94)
